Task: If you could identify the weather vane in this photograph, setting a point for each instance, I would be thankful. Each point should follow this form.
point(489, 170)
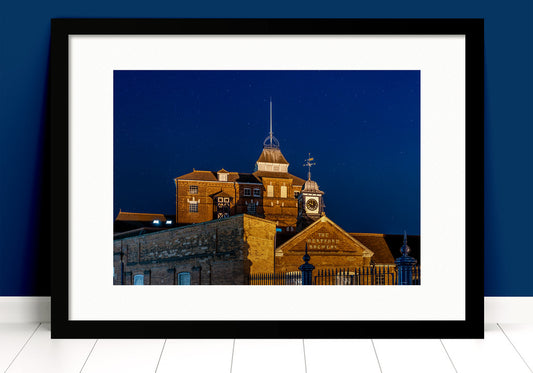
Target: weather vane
point(309, 164)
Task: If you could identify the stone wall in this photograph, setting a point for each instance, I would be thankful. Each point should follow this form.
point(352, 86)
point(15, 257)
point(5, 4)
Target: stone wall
point(221, 252)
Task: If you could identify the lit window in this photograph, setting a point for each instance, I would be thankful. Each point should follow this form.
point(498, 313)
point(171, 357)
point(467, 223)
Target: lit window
point(270, 190)
point(168, 222)
point(251, 208)
point(156, 221)
point(193, 207)
point(283, 191)
point(184, 278)
point(138, 280)
point(257, 192)
point(226, 200)
point(193, 189)
point(247, 192)
point(223, 177)
point(276, 167)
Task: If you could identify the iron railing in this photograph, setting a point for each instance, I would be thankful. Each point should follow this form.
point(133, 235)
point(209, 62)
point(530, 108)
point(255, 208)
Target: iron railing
point(370, 275)
point(281, 278)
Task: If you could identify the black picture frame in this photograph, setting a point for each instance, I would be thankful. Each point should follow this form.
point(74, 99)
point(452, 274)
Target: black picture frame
point(64, 327)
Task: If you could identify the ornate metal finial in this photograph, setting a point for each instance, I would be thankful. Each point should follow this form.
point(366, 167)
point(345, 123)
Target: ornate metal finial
point(271, 142)
point(405, 250)
point(309, 164)
point(306, 256)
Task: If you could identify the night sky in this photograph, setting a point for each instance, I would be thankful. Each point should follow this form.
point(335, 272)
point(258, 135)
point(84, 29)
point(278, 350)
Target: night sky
point(362, 128)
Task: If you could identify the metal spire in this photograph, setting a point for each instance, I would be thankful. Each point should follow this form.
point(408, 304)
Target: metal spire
point(270, 141)
point(309, 164)
point(270, 120)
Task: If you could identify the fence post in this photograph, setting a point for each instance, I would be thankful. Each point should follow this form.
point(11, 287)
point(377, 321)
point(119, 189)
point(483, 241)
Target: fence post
point(405, 264)
point(307, 269)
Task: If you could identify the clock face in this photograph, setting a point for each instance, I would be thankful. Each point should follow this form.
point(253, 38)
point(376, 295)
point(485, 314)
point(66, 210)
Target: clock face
point(312, 204)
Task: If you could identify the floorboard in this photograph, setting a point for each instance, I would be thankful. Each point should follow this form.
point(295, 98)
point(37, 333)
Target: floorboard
point(340, 355)
point(493, 354)
point(268, 355)
point(124, 355)
point(43, 354)
point(521, 336)
point(412, 356)
point(196, 355)
point(12, 339)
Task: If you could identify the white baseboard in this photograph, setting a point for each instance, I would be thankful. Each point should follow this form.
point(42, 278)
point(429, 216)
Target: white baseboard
point(509, 309)
point(24, 309)
point(37, 309)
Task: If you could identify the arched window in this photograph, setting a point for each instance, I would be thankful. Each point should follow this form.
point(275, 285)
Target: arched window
point(184, 278)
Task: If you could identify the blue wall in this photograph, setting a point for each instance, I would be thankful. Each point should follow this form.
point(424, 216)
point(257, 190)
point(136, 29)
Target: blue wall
point(24, 52)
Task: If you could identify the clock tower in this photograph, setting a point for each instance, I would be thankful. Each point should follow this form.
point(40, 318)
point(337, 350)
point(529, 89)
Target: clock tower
point(310, 200)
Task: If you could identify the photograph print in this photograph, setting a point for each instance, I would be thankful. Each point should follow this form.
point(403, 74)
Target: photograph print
point(249, 177)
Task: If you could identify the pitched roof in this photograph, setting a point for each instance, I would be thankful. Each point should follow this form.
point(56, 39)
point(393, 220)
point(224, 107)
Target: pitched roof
point(280, 175)
point(243, 178)
point(221, 194)
point(376, 242)
point(238, 177)
point(137, 216)
point(272, 155)
point(199, 175)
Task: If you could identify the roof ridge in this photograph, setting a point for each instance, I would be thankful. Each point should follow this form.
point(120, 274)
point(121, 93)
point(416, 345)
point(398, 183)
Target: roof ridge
point(369, 234)
point(141, 213)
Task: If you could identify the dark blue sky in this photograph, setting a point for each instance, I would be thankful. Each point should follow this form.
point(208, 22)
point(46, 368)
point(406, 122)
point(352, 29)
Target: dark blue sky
point(362, 128)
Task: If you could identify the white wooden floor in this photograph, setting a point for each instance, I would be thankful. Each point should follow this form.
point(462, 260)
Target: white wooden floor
point(507, 348)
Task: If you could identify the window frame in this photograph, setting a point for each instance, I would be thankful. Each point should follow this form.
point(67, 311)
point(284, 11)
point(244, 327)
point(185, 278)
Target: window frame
point(195, 209)
point(180, 275)
point(270, 188)
point(283, 191)
point(138, 277)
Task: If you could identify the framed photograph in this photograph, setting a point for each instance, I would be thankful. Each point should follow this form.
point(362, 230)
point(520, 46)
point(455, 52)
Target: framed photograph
point(267, 178)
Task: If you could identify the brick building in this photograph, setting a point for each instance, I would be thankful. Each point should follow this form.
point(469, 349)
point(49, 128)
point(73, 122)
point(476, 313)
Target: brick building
point(232, 225)
point(269, 192)
point(222, 252)
point(227, 251)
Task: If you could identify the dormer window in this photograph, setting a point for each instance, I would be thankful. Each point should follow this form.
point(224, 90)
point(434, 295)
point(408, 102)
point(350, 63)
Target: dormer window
point(222, 175)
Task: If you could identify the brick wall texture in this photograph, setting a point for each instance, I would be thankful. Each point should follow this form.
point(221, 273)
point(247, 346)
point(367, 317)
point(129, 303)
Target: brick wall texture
point(218, 252)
